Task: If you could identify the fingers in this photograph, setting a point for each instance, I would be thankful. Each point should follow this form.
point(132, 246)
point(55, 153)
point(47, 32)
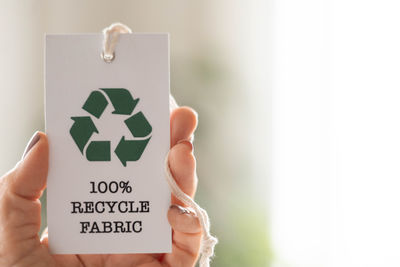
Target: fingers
point(183, 220)
point(19, 204)
point(21, 188)
point(186, 237)
point(183, 123)
point(28, 178)
point(183, 167)
point(185, 224)
point(181, 160)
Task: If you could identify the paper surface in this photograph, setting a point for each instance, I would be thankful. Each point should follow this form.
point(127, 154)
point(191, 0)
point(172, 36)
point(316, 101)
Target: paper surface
point(108, 131)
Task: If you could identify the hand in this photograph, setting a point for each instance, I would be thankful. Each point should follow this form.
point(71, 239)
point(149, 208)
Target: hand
point(21, 188)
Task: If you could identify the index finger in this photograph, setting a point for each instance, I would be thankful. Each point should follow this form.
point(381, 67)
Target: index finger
point(181, 159)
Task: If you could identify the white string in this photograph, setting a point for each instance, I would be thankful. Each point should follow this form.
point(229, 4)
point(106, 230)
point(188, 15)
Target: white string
point(208, 242)
point(110, 40)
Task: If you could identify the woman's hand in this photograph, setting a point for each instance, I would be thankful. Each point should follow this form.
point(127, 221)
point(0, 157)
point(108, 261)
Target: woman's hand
point(21, 188)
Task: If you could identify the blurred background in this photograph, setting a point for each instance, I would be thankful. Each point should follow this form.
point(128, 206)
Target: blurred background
point(210, 45)
point(298, 101)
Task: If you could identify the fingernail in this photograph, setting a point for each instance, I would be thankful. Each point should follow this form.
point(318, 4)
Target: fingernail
point(34, 139)
point(187, 143)
point(182, 210)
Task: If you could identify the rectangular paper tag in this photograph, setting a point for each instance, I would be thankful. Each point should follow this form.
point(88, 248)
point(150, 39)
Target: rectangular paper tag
point(108, 130)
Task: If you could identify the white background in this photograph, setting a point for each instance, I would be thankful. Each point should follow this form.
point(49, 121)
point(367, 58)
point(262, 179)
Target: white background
point(335, 125)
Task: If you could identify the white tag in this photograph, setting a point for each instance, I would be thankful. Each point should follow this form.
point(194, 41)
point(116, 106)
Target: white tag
point(108, 130)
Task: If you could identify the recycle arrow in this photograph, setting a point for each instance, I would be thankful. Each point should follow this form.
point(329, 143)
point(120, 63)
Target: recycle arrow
point(98, 151)
point(83, 127)
point(138, 125)
point(82, 130)
point(121, 100)
point(130, 150)
point(95, 104)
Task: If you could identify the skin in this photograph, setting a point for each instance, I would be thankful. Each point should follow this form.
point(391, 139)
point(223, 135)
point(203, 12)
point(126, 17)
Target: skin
point(21, 188)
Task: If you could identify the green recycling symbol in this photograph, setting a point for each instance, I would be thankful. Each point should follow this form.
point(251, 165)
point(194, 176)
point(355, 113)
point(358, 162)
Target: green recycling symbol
point(83, 127)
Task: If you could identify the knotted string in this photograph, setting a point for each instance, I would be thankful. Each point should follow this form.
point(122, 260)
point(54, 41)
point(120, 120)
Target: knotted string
point(111, 36)
point(208, 242)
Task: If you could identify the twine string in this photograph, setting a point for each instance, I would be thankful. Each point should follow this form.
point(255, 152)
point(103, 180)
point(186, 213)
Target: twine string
point(208, 242)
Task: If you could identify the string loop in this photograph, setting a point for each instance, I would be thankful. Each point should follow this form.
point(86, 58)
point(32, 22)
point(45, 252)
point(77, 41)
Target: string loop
point(208, 242)
point(111, 36)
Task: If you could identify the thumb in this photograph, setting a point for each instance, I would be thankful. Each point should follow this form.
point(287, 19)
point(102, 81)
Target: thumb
point(20, 207)
point(28, 178)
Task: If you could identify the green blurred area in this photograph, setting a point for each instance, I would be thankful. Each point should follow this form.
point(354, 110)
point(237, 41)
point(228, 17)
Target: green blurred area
point(222, 148)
